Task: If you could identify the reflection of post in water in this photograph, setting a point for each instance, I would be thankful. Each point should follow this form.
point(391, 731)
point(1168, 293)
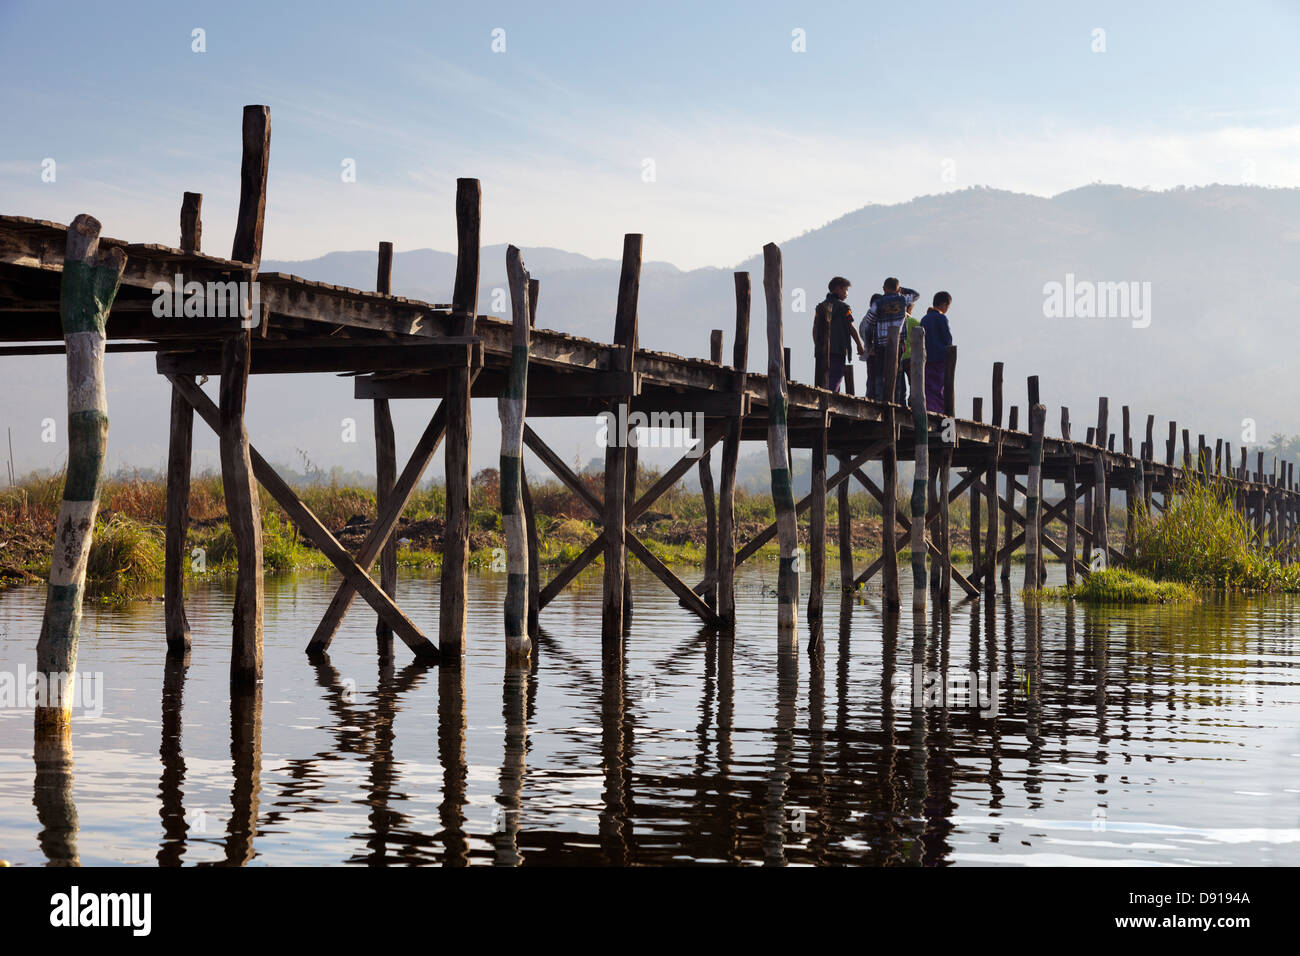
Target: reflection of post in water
point(726, 718)
point(380, 784)
point(514, 707)
point(1067, 679)
point(451, 754)
point(787, 696)
point(172, 796)
point(939, 762)
point(916, 750)
point(613, 710)
point(995, 729)
point(819, 829)
point(1095, 640)
point(246, 757)
point(56, 810)
point(1034, 705)
point(890, 837)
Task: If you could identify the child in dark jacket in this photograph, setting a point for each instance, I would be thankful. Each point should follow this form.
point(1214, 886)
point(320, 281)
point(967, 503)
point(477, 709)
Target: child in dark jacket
point(938, 336)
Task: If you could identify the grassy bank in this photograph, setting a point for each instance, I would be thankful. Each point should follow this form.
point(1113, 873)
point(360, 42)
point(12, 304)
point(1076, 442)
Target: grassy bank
point(127, 555)
point(1203, 541)
point(1199, 542)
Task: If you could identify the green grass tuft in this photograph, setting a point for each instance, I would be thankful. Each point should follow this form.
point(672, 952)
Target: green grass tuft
point(1120, 586)
point(126, 559)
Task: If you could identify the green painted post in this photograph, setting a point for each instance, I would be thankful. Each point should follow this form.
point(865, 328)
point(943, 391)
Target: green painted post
point(89, 285)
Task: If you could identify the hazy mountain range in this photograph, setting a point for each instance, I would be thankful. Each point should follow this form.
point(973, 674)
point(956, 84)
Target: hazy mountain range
point(1215, 269)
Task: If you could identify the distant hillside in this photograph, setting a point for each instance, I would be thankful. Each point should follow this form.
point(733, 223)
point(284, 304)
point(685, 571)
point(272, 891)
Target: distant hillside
point(1220, 261)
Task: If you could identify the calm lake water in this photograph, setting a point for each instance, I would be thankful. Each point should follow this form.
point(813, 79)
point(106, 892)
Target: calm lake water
point(1154, 736)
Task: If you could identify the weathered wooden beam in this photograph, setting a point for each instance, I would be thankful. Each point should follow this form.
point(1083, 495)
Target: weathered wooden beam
point(1071, 496)
point(90, 281)
point(311, 526)
point(385, 465)
point(180, 444)
point(1034, 480)
point(616, 451)
point(889, 475)
point(1101, 497)
point(512, 409)
point(778, 454)
point(382, 529)
point(730, 461)
point(675, 584)
point(530, 514)
point(707, 492)
point(921, 456)
point(944, 564)
point(454, 583)
point(242, 505)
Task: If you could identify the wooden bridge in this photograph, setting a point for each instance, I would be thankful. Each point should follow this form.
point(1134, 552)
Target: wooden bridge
point(400, 348)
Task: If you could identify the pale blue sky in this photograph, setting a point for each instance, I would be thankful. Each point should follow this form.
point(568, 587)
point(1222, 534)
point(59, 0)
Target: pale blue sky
point(750, 140)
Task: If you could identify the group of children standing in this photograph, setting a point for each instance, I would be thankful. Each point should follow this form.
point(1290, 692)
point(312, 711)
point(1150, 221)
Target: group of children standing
point(889, 309)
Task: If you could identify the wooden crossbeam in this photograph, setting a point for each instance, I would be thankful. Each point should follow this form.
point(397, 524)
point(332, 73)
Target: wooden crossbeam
point(768, 533)
point(675, 584)
point(562, 471)
point(566, 475)
point(382, 529)
point(311, 526)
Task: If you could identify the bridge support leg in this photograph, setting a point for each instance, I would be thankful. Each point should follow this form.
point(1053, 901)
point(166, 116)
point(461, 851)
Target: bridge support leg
point(616, 454)
point(731, 460)
point(455, 553)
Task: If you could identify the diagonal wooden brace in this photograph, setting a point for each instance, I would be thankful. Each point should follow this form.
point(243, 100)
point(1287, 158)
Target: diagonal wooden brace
point(311, 526)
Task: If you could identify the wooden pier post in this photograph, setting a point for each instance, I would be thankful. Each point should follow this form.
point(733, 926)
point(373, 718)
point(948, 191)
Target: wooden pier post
point(945, 474)
point(710, 502)
point(1008, 527)
point(845, 518)
point(731, 460)
point(817, 475)
point(991, 487)
point(86, 292)
point(243, 506)
point(921, 476)
point(512, 407)
point(1033, 495)
point(616, 453)
point(385, 466)
point(180, 445)
point(889, 473)
point(1071, 498)
point(1101, 500)
point(976, 523)
point(1088, 521)
point(778, 454)
point(454, 584)
point(530, 516)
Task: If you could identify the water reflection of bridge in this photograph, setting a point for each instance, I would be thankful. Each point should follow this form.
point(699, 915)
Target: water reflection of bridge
point(863, 778)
